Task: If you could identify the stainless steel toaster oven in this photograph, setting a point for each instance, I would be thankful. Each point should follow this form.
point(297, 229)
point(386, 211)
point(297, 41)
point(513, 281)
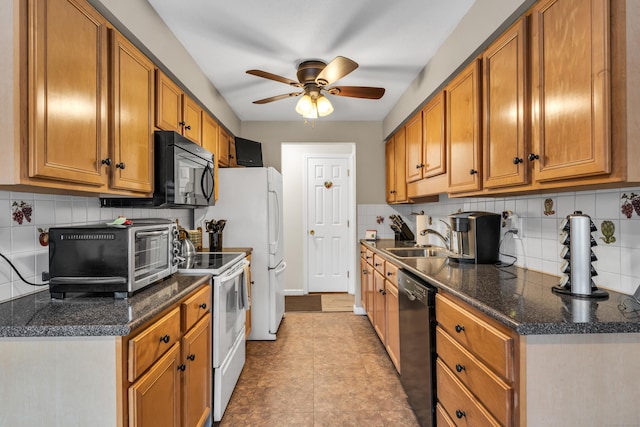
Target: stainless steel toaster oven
point(115, 259)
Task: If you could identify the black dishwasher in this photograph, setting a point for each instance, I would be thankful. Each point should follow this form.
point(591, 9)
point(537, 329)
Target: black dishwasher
point(417, 344)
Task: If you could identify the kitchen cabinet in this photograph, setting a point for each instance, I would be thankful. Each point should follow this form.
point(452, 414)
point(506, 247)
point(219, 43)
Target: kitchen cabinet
point(67, 95)
point(433, 137)
point(392, 314)
point(506, 113)
point(571, 101)
point(414, 162)
point(210, 129)
point(379, 305)
point(475, 369)
point(132, 100)
point(395, 168)
point(363, 277)
point(176, 111)
point(197, 373)
point(463, 130)
point(369, 285)
point(226, 149)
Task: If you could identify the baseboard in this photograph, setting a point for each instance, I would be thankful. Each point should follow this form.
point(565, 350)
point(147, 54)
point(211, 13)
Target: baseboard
point(293, 292)
point(360, 311)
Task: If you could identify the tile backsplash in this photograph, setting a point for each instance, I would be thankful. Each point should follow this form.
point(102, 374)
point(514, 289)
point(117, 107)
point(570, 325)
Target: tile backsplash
point(20, 242)
point(539, 247)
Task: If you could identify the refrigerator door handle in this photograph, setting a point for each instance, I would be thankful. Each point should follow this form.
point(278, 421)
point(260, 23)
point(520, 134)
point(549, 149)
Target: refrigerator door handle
point(273, 246)
point(280, 268)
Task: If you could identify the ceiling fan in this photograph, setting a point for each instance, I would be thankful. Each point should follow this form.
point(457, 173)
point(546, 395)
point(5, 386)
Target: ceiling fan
point(313, 77)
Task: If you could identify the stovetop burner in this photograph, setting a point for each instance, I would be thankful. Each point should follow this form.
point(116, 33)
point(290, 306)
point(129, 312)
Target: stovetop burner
point(210, 262)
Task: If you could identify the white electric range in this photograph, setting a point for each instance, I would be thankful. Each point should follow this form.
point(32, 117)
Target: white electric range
point(230, 302)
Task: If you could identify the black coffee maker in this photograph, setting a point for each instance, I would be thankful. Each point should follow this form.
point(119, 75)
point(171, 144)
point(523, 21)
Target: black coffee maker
point(475, 237)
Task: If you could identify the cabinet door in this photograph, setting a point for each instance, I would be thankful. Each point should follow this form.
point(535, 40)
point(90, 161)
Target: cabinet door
point(390, 170)
point(571, 89)
point(400, 167)
point(154, 400)
point(233, 161)
point(433, 137)
point(191, 120)
point(393, 324)
point(504, 145)
point(363, 283)
point(379, 305)
point(414, 162)
point(132, 91)
point(67, 89)
point(463, 130)
point(370, 292)
point(223, 148)
point(168, 103)
point(196, 357)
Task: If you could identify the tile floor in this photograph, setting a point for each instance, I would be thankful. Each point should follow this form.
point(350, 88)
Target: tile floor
point(325, 369)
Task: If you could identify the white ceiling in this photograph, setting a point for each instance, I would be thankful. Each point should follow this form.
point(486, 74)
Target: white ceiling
point(392, 40)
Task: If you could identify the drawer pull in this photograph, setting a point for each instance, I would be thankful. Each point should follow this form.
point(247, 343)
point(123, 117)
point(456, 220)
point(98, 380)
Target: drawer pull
point(182, 367)
point(459, 367)
point(460, 414)
point(389, 274)
point(191, 357)
point(459, 328)
point(203, 306)
point(377, 264)
point(165, 339)
point(382, 291)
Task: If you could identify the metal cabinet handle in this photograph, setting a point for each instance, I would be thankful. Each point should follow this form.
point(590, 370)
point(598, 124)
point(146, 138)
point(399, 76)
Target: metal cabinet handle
point(165, 339)
point(473, 172)
point(312, 232)
point(517, 160)
point(106, 161)
point(377, 264)
point(389, 273)
point(191, 357)
point(460, 413)
point(459, 328)
point(460, 367)
point(203, 306)
point(533, 157)
point(420, 166)
point(182, 367)
point(120, 165)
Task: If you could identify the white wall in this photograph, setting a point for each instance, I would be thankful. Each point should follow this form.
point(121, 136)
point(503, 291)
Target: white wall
point(293, 158)
point(539, 249)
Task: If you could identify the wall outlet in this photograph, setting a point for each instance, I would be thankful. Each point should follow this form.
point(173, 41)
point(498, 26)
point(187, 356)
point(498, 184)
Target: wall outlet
point(516, 225)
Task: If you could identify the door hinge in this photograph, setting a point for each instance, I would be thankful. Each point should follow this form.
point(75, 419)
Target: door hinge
point(347, 274)
point(347, 223)
point(348, 172)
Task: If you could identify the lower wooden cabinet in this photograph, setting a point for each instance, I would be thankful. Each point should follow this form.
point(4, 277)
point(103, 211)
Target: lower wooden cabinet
point(392, 314)
point(196, 384)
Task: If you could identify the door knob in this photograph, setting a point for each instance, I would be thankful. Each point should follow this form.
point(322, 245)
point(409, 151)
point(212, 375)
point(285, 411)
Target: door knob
point(312, 232)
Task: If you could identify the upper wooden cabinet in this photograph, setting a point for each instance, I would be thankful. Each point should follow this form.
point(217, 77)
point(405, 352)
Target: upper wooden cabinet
point(463, 130)
point(210, 142)
point(571, 89)
point(132, 101)
point(67, 93)
point(395, 166)
point(223, 148)
point(505, 142)
point(433, 137)
point(176, 111)
point(415, 164)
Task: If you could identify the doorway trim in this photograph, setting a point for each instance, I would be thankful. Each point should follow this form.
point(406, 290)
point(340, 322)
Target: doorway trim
point(351, 206)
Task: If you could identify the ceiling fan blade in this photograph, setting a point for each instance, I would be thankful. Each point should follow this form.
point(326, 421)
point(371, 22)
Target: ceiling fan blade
point(335, 70)
point(277, 98)
point(357, 91)
point(275, 77)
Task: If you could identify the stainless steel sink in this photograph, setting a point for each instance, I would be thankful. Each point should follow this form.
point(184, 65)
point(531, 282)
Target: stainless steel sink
point(422, 252)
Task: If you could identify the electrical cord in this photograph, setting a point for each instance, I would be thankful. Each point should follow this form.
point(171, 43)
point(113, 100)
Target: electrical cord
point(501, 264)
point(20, 275)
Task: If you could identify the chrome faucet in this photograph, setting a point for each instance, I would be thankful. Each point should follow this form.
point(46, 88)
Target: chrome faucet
point(445, 239)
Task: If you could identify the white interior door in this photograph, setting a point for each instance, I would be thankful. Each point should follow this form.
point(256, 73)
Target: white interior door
point(327, 223)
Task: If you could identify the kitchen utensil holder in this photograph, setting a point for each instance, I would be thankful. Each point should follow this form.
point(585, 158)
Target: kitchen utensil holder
point(578, 255)
point(215, 242)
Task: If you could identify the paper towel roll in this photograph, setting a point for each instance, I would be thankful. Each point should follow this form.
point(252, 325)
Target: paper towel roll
point(422, 222)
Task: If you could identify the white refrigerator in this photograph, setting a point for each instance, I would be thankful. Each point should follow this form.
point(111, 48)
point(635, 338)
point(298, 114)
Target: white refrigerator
point(250, 199)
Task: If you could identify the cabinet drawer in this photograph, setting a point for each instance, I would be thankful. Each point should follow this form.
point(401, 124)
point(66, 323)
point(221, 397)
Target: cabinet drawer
point(391, 273)
point(442, 418)
point(378, 263)
point(368, 256)
point(495, 395)
point(483, 340)
point(146, 347)
point(458, 403)
point(196, 306)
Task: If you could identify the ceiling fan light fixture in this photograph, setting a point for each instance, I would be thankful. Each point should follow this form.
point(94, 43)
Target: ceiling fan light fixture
point(324, 106)
point(305, 105)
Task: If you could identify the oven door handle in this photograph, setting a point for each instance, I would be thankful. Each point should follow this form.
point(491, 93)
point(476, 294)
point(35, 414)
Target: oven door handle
point(234, 271)
point(152, 233)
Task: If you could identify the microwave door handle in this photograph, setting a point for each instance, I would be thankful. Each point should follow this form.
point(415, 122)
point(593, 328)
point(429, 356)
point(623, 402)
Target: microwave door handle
point(208, 172)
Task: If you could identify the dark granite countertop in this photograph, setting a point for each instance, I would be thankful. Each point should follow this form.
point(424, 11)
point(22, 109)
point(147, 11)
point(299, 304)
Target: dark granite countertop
point(518, 298)
point(83, 314)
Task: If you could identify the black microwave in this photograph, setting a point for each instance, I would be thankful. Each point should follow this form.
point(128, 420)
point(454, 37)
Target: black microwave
point(183, 175)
